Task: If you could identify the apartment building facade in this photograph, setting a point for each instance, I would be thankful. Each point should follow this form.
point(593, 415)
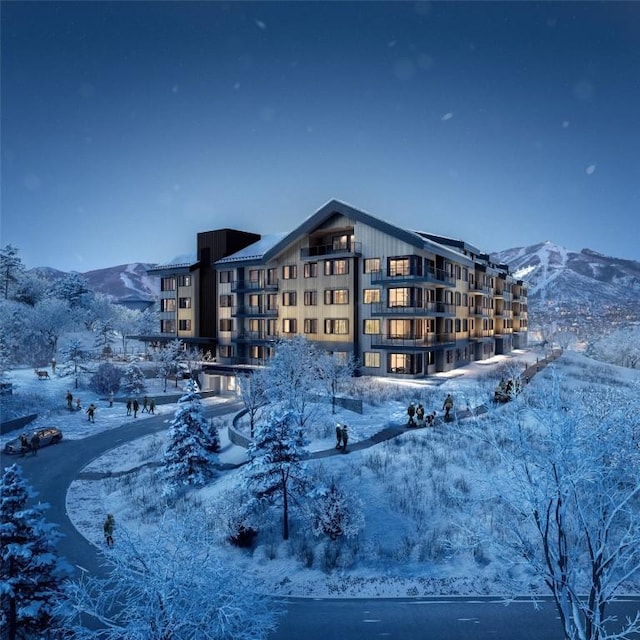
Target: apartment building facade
point(189, 290)
point(404, 303)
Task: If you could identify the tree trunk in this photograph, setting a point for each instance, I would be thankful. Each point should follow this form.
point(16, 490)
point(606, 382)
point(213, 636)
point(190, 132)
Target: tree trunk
point(285, 510)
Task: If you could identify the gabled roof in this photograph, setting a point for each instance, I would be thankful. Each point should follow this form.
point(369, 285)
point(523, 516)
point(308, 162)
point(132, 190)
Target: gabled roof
point(336, 206)
point(255, 251)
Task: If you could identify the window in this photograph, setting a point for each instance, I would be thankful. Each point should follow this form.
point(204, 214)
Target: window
point(184, 281)
point(336, 326)
point(168, 284)
point(404, 363)
point(336, 267)
point(272, 276)
point(371, 327)
point(255, 326)
point(256, 352)
point(336, 296)
point(311, 325)
point(288, 325)
point(226, 324)
point(458, 271)
point(371, 264)
point(290, 271)
point(371, 295)
point(405, 297)
point(458, 299)
point(289, 298)
point(225, 276)
point(272, 301)
point(184, 325)
point(310, 269)
point(272, 327)
point(225, 351)
point(310, 298)
point(254, 275)
point(167, 326)
point(371, 359)
point(341, 242)
point(167, 304)
point(226, 300)
point(399, 328)
point(458, 325)
point(399, 267)
point(184, 303)
point(254, 300)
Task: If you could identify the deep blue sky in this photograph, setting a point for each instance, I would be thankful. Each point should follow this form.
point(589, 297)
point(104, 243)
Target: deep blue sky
point(127, 127)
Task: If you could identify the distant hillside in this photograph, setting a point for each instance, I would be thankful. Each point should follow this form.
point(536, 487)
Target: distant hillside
point(123, 281)
point(585, 289)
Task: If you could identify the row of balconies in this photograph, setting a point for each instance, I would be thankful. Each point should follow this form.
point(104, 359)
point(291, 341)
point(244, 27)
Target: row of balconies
point(437, 276)
point(315, 251)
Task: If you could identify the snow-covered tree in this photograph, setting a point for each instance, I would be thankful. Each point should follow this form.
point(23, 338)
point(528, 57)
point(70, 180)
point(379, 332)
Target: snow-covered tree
point(251, 387)
point(171, 584)
point(74, 289)
point(125, 323)
point(166, 359)
point(336, 512)
point(5, 355)
point(49, 319)
point(148, 322)
point(333, 373)
point(570, 505)
point(105, 336)
point(106, 378)
point(276, 471)
point(30, 288)
point(74, 353)
point(31, 573)
point(10, 268)
point(187, 460)
point(620, 347)
point(133, 380)
point(292, 377)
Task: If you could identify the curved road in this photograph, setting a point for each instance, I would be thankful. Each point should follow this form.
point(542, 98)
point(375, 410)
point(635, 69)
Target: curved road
point(445, 618)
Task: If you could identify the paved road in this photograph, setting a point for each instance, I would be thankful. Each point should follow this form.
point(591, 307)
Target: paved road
point(56, 467)
point(425, 619)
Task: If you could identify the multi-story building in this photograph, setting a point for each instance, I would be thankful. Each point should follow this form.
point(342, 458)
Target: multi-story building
point(189, 290)
point(404, 303)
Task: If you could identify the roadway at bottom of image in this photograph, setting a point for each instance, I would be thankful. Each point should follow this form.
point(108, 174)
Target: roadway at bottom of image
point(455, 618)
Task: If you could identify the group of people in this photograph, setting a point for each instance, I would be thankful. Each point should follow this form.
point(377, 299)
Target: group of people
point(148, 406)
point(71, 405)
point(418, 418)
point(342, 437)
point(26, 445)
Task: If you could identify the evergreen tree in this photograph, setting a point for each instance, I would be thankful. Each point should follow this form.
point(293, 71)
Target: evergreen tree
point(276, 471)
point(133, 380)
point(106, 378)
point(10, 268)
point(336, 513)
point(187, 459)
point(31, 573)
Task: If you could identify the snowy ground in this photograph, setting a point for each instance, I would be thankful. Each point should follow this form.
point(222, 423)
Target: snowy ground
point(396, 556)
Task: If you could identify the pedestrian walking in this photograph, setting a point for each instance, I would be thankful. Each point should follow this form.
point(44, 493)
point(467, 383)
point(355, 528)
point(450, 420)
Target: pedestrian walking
point(35, 444)
point(345, 438)
point(420, 414)
point(447, 406)
point(145, 402)
point(53, 365)
point(136, 406)
point(129, 407)
point(24, 444)
point(69, 398)
point(91, 412)
point(111, 398)
point(108, 528)
point(338, 436)
point(152, 406)
point(411, 411)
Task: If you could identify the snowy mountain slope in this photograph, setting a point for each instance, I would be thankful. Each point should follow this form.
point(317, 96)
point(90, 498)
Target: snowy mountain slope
point(122, 281)
point(586, 286)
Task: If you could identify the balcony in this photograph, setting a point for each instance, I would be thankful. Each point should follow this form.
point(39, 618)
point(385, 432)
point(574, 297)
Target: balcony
point(483, 289)
point(321, 250)
point(239, 286)
point(430, 341)
point(256, 312)
point(481, 335)
point(428, 309)
point(483, 312)
point(436, 276)
point(253, 336)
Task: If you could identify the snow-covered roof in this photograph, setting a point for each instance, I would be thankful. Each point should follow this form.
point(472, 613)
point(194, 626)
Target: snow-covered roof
point(254, 251)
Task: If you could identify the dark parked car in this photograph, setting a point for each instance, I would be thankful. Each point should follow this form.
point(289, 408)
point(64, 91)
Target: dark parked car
point(48, 435)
